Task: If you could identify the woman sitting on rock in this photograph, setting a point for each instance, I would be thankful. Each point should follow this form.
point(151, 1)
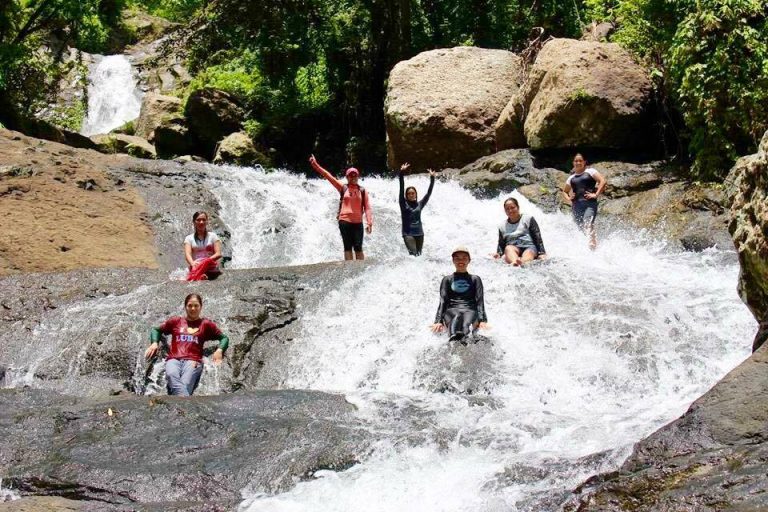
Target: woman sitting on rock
point(184, 364)
point(519, 236)
point(353, 201)
point(202, 250)
point(410, 212)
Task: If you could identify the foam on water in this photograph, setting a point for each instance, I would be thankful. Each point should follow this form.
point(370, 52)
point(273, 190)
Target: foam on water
point(113, 95)
point(586, 354)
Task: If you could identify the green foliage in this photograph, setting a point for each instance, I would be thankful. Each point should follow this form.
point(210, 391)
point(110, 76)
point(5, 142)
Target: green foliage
point(175, 10)
point(709, 59)
point(69, 116)
point(238, 75)
point(253, 128)
point(580, 95)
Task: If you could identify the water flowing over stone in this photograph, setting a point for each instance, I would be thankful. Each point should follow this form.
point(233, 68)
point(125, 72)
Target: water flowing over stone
point(113, 98)
point(586, 353)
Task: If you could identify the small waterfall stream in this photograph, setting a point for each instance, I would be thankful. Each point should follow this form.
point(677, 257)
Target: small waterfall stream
point(586, 355)
point(113, 97)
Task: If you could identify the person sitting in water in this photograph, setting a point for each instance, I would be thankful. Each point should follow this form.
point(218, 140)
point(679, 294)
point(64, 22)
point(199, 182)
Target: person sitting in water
point(353, 201)
point(410, 212)
point(582, 188)
point(184, 364)
point(462, 307)
point(519, 236)
point(202, 250)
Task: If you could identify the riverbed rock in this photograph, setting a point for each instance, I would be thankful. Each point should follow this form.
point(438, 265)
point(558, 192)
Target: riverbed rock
point(211, 115)
point(509, 170)
point(156, 109)
point(748, 191)
point(50, 185)
point(238, 148)
point(172, 452)
point(128, 144)
point(442, 104)
point(577, 94)
point(710, 459)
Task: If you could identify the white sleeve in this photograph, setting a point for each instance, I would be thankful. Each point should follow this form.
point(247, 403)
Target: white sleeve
point(568, 181)
point(212, 237)
point(190, 240)
point(591, 171)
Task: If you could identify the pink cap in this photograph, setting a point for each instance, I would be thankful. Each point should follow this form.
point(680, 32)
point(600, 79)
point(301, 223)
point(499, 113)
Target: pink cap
point(351, 171)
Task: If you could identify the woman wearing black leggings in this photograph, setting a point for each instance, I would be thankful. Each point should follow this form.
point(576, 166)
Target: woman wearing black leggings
point(410, 211)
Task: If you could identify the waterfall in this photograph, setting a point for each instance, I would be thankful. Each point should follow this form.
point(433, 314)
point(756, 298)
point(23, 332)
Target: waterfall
point(113, 98)
point(586, 354)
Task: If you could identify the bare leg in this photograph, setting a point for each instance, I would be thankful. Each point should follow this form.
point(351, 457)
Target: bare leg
point(528, 256)
point(592, 238)
point(347, 255)
point(511, 255)
point(359, 255)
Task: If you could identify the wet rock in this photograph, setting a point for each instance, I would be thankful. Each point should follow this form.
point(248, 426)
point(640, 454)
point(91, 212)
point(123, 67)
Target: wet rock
point(203, 450)
point(238, 148)
point(748, 195)
point(156, 110)
point(712, 458)
point(212, 115)
point(441, 105)
point(173, 138)
point(577, 94)
point(43, 504)
point(509, 170)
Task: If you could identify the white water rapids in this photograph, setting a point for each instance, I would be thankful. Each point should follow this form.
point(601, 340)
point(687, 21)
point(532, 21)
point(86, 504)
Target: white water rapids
point(113, 97)
point(587, 354)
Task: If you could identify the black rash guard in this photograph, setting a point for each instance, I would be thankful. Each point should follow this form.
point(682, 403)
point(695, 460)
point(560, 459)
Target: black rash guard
point(461, 291)
point(410, 211)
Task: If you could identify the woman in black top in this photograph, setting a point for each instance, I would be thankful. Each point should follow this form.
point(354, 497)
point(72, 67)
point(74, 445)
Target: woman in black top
point(410, 211)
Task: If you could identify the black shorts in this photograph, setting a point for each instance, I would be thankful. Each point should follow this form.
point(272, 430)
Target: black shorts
point(351, 235)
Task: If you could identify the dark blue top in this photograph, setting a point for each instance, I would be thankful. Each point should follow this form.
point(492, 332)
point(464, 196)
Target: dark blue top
point(410, 211)
point(461, 290)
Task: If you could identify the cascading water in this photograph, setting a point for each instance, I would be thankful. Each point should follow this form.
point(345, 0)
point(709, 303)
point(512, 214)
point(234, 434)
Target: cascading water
point(586, 353)
point(113, 97)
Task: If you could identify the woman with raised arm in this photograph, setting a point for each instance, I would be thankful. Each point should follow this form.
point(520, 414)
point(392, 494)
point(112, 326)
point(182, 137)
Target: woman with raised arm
point(353, 202)
point(410, 212)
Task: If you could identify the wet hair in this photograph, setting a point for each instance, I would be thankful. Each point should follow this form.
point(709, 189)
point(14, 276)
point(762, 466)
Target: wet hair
point(197, 214)
point(414, 191)
point(513, 200)
point(193, 296)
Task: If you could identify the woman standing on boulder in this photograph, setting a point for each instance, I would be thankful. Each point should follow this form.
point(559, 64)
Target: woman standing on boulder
point(202, 250)
point(410, 212)
point(582, 189)
point(184, 364)
point(353, 201)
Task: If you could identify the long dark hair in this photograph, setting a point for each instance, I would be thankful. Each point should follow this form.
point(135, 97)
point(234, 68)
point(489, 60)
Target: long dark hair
point(410, 188)
point(193, 296)
point(194, 218)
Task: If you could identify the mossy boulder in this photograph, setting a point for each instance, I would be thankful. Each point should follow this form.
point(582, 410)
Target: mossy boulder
point(238, 148)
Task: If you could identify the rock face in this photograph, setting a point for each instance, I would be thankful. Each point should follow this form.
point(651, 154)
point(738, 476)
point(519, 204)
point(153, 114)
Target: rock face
point(121, 143)
point(173, 138)
point(238, 148)
point(156, 109)
point(710, 459)
point(442, 104)
point(212, 115)
point(157, 451)
point(749, 227)
point(580, 94)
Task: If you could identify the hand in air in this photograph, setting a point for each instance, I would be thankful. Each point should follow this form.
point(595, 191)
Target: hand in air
point(432, 173)
point(404, 168)
point(437, 327)
point(151, 351)
point(313, 161)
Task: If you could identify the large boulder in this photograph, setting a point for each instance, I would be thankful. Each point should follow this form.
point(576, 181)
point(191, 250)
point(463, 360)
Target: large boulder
point(748, 191)
point(238, 148)
point(212, 115)
point(441, 105)
point(173, 138)
point(580, 94)
point(156, 110)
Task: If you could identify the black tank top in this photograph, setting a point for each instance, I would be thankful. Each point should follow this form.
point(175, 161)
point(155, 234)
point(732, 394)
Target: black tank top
point(581, 184)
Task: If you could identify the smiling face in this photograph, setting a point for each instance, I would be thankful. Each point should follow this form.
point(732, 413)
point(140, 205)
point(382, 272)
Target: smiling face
point(461, 261)
point(193, 308)
point(411, 195)
point(352, 178)
point(201, 223)
point(579, 164)
point(512, 209)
